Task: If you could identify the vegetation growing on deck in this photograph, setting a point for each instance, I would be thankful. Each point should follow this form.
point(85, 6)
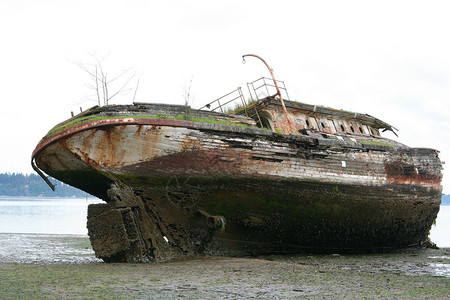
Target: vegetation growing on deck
point(376, 142)
point(92, 118)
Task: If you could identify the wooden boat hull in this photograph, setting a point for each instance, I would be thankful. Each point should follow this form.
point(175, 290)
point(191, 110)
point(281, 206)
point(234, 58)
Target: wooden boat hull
point(176, 187)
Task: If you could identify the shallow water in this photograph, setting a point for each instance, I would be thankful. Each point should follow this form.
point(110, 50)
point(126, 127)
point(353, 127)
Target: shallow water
point(45, 248)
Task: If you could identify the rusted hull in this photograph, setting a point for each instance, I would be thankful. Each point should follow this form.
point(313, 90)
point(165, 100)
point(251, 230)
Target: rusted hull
point(182, 188)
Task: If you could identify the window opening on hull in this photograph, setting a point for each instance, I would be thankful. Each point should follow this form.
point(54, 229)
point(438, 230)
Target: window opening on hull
point(342, 128)
point(332, 125)
point(317, 126)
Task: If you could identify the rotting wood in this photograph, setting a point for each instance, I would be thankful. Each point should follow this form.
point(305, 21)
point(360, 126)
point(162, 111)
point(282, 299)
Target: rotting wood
point(181, 188)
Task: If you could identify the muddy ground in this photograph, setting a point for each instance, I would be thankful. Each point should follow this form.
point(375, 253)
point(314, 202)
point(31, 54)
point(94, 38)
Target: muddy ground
point(50, 266)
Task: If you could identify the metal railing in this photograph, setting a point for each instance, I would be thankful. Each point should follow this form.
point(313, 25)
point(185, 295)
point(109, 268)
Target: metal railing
point(264, 87)
point(223, 102)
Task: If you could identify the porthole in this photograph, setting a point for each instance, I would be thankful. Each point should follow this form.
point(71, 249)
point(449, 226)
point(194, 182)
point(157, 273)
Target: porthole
point(352, 129)
point(360, 130)
point(342, 128)
point(307, 123)
point(323, 125)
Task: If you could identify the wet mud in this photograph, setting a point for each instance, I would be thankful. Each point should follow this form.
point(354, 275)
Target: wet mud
point(36, 273)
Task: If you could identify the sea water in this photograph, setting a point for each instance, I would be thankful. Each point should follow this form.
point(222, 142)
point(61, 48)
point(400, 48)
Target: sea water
point(44, 215)
point(68, 216)
point(45, 230)
point(440, 232)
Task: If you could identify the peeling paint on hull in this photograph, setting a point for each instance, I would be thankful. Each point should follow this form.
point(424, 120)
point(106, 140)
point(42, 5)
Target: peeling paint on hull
point(177, 188)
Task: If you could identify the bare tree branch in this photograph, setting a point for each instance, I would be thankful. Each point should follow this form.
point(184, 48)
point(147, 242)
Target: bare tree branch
point(135, 91)
point(96, 86)
point(123, 86)
point(120, 75)
point(104, 90)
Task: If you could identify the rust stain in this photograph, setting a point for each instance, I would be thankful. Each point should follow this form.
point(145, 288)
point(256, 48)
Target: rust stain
point(109, 122)
point(400, 172)
point(189, 163)
point(190, 143)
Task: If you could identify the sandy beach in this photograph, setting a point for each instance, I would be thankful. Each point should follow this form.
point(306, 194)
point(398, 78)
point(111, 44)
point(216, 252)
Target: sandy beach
point(65, 267)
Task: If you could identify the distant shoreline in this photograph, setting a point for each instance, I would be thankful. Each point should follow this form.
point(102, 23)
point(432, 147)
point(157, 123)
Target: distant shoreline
point(49, 198)
point(32, 185)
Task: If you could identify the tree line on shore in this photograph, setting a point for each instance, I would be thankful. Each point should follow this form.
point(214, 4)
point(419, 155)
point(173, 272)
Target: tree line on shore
point(32, 185)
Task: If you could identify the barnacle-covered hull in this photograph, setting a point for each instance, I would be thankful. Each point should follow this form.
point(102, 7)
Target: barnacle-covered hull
point(178, 187)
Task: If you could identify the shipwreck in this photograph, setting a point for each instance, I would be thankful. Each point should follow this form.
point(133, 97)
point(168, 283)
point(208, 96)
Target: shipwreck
point(271, 176)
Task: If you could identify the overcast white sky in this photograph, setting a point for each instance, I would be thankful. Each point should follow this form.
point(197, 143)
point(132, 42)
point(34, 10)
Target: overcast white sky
point(390, 59)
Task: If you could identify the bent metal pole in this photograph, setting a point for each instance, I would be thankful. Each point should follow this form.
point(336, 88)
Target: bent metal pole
point(274, 82)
